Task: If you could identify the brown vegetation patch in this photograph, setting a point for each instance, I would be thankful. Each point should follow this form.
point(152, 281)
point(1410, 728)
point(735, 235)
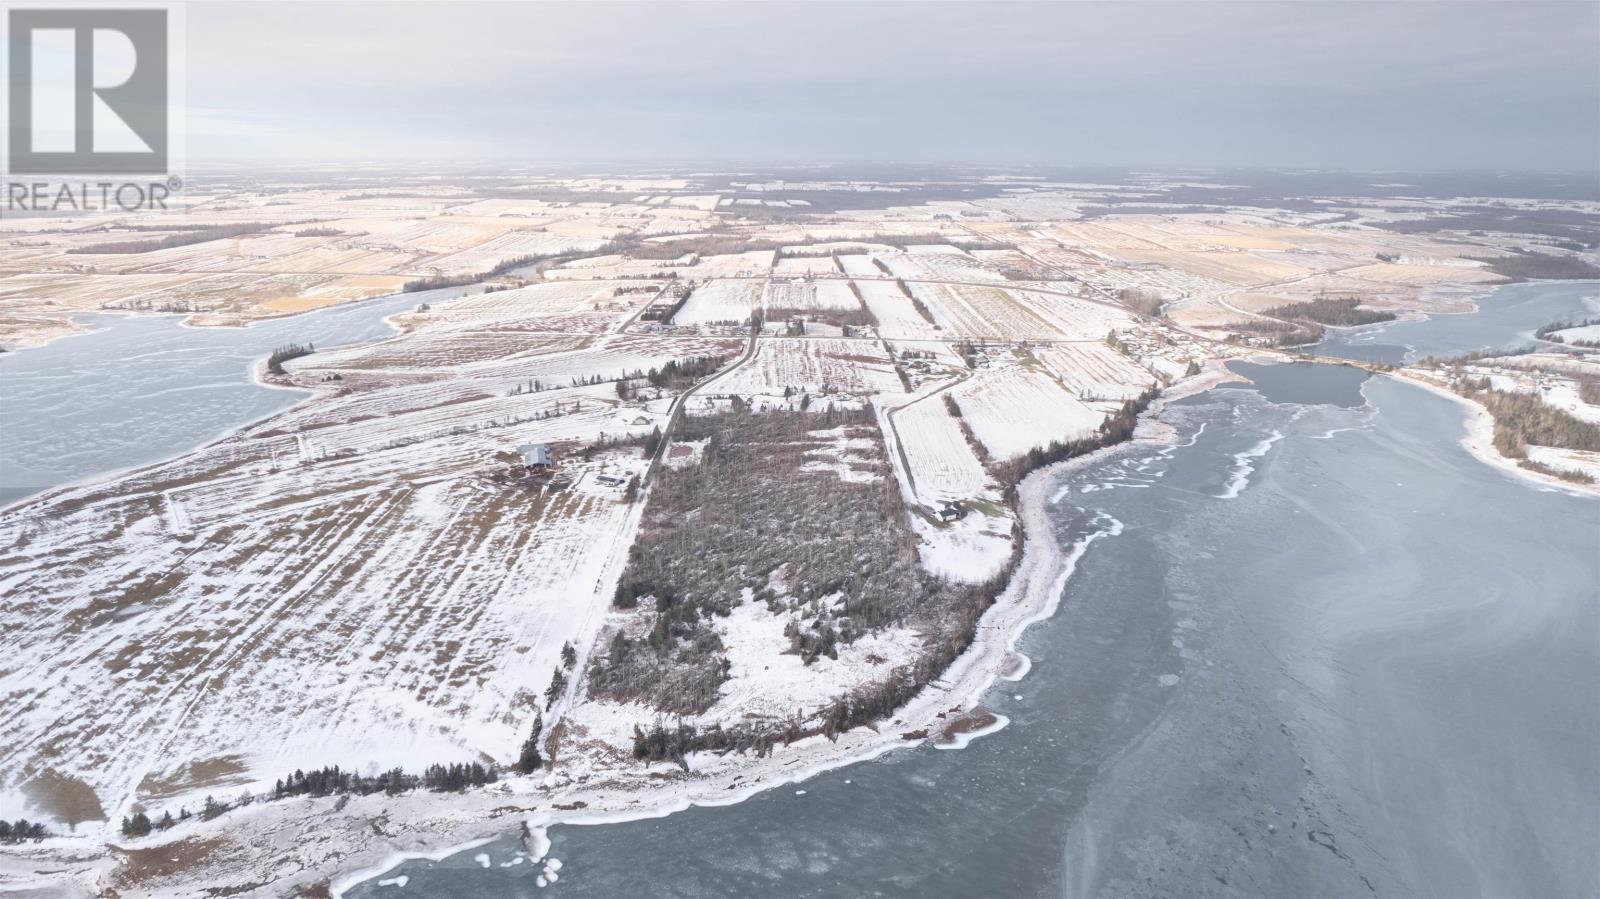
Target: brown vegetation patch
point(141, 866)
point(64, 798)
point(193, 775)
point(967, 722)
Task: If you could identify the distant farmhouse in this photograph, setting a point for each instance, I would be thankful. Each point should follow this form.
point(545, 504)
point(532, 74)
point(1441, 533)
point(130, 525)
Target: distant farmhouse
point(535, 455)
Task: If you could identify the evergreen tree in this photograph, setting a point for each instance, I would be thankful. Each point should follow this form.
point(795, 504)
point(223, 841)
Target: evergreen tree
point(558, 683)
point(529, 760)
point(137, 826)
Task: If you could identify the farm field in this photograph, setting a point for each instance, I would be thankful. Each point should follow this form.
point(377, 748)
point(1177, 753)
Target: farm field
point(1094, 371)
point(943, 465)
point(809, 295)
point(251, 611)
point(818, 366)
point(447, 349)
point(804, 266)
point(1013, 409)
point(384, 393)
point(898, 318)
point(720, 302)
point(983, 313)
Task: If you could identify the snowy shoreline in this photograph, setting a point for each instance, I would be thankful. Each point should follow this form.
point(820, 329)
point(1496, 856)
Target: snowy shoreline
point(1479, 439)
point(255, 375)
point(1033, 595)
point(332, 841)
point(338, 846)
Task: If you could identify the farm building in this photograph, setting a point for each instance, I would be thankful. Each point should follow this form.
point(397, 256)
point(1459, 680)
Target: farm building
point(535, 455)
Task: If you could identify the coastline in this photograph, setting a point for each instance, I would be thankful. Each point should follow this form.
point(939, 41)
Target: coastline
point(1479, 439)
point(67, 325)
point(255, 377)
point(1033, 595)
point(337, 843)
point(334, 844)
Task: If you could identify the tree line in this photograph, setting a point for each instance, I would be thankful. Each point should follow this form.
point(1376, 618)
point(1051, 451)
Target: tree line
point(1521, 419)
point(22, 830)
point(1343, 312)
point(285, 353)
point(182, 239)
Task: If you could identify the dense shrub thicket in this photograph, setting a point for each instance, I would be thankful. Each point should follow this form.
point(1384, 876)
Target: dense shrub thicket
point(731, 523)
point(1522, 418)
point(438, 282)
point(181, 239)
point(748, 521)
point(1589, 389)
point(1342, 312)
point(1523, 266)
point(1273, 332)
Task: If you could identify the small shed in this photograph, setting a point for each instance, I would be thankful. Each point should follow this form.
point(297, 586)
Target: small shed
point(535, 455)
point(609, 481)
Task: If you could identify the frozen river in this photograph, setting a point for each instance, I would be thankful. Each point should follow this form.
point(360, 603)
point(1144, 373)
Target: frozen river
point(141, 388)
point(1505, 319)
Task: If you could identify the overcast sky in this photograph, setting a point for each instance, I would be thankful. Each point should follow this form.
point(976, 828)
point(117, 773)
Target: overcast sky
point(1334, 85)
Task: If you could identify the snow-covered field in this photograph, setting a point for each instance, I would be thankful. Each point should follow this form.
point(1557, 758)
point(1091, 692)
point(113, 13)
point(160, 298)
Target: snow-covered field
point(941, 263)
point(860, 265)
point(1567, 460)
point(236, 614)
point(984, 313)
point(943, 466)
point(446, 349)
point(1013, 409)
point(809, 295)
point(472, 394)
point(1094, 371)
point(366, 580)
point(1073, 318)
point(720, 301)
point(898, 318)
point(1562, 393)
point(814, 365)
point(970, 549)
point(1582, 333)
point(804, 266)
point(544, 298)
